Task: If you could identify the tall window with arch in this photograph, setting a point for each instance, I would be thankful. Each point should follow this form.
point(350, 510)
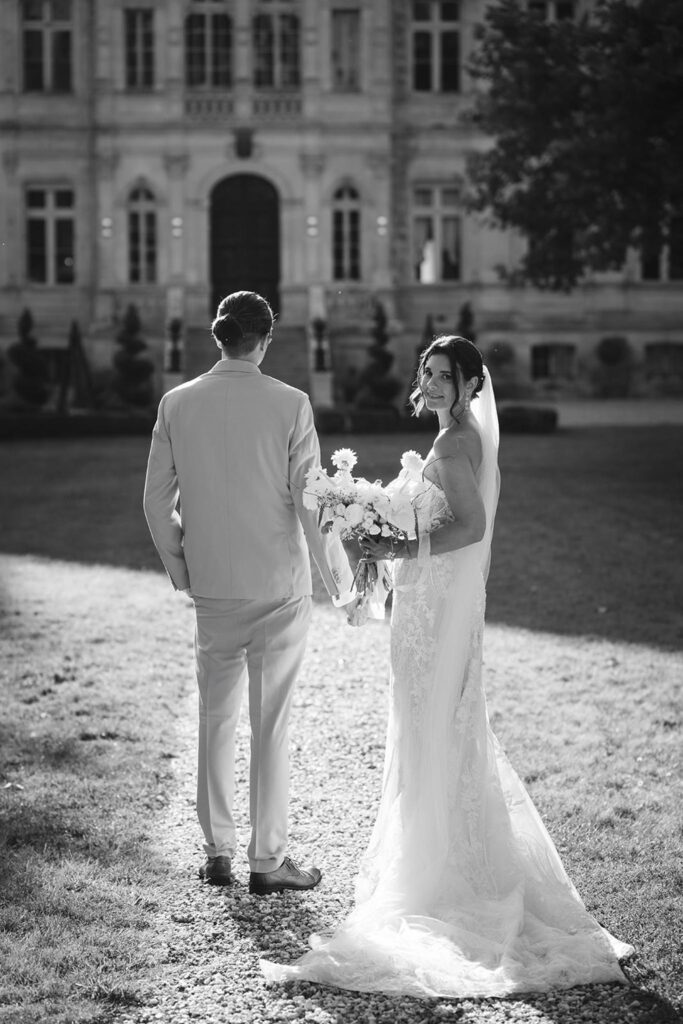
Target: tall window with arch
point(276, 45)
point(435, 30)
point(208, 45)
point(437, 233)
point(47, 45)
point(346, 234)
point(142, 236)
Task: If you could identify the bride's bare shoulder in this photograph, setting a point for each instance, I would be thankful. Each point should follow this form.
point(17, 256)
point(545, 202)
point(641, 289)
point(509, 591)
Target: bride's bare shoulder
point(458, 443)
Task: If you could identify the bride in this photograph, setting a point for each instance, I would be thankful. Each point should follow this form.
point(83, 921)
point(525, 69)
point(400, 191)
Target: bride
point(461, 891)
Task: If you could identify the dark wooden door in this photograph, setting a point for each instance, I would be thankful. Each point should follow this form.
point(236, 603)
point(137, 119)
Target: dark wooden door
point(245, 238)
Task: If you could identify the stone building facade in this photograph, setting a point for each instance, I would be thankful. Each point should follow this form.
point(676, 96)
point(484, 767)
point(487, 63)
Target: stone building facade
point(166, 152)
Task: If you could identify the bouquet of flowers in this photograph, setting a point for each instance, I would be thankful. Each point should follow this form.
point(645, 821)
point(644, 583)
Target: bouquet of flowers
point(351, 506)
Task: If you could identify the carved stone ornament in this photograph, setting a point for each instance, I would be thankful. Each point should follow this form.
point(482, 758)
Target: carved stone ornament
point(244, 143)
point(176, 164)
point(312, 164)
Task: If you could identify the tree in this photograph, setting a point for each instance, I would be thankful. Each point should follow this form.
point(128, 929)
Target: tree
point(588, 133)
point(134, 369)
point(30, 382)
point(465, 325)
point(377, 385)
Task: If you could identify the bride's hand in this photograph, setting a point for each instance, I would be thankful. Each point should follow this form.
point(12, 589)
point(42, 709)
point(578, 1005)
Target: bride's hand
point(375, 550)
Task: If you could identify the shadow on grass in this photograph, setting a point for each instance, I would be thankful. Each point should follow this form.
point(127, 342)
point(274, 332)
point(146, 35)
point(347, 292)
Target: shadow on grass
point(586, 538)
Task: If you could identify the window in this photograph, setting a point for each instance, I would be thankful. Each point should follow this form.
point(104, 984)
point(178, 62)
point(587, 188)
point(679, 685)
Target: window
point(142, 236)
point(661, 259)
point(346, 50)
point(552, 10)
point(346, 234)
point(139, 43)
point(552, 361)
point(436, 46)
point(47, 45)
point(50, 236)
point(276, 46)
point(208, 47)
point(437, 230)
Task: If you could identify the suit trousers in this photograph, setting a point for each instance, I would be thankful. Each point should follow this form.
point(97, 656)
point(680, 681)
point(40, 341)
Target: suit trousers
point(262, 642)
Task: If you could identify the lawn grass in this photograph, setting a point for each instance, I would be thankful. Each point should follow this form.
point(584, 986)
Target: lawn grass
point(583, 677)
point(84, 775)
point(587, 538)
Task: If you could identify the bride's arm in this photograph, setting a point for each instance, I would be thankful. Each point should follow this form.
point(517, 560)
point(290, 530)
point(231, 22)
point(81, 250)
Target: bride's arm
point(459, 484)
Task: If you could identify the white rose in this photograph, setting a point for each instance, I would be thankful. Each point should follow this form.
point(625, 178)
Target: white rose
point(354, 514)
point(374, 529)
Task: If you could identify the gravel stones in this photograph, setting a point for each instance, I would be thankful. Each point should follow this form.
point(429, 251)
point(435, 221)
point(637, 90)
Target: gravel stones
point(215, 936)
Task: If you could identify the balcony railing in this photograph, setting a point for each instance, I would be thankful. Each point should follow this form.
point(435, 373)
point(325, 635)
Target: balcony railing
point(277, 105)
point(208, 107)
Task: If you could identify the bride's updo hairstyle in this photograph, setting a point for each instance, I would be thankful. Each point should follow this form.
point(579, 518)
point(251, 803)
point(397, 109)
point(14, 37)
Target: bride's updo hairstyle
point(242, 321)
point(463, 355)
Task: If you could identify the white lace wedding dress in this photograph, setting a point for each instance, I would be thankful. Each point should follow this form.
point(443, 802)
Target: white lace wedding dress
point(461, 891)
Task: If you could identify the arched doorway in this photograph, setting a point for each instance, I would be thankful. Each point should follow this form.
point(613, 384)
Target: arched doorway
point(245, 238)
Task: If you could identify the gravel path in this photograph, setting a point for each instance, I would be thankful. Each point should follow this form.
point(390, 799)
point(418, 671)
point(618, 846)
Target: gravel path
point(214, 937)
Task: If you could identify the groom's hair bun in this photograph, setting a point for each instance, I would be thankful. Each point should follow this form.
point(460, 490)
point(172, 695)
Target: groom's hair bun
point(227, 330)
point(243, 319)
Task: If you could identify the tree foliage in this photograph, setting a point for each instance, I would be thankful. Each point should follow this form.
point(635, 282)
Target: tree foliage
point(587, 122)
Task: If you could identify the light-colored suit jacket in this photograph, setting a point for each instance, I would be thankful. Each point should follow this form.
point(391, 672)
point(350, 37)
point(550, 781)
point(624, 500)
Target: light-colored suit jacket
point(234, 446)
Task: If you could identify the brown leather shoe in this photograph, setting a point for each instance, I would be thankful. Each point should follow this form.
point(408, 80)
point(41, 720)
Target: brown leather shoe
point(217, 871)
point(287, 876)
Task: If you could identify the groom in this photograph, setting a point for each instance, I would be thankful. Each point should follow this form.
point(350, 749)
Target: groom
point(223, 501)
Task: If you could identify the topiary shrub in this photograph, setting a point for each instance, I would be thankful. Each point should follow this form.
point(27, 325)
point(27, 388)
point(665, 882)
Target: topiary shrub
point(133, 383)
point(465, 325)
point(30, 383)
point(615, 367)
point(501, 357)
point(377, 387)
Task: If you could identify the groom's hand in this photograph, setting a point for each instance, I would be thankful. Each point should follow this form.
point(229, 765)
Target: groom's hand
point(375, 550)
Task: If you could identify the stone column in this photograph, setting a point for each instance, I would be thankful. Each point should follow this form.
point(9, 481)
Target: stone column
point(377, 235)
point(111, 232)
point(12, 255)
